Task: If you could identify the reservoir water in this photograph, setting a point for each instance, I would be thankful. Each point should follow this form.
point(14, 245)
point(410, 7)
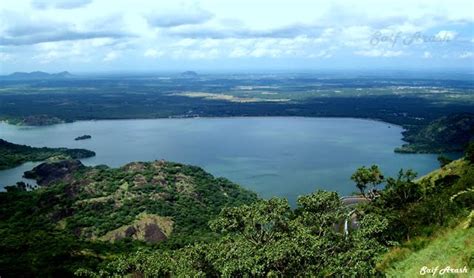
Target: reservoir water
point(273, 156)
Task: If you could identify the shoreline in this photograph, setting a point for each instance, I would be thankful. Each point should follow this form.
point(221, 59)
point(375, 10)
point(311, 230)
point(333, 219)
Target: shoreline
point(6, 121)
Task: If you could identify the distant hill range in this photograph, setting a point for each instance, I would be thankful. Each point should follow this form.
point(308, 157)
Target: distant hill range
point(189, 74)
point(36, 75)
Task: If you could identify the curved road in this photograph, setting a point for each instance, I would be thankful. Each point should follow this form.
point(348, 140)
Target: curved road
point(353, 200)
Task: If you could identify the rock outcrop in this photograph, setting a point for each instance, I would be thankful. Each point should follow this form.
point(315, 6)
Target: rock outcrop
point(148, 227)
point(50, 172)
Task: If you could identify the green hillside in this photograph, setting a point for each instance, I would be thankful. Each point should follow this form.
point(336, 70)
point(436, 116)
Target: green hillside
point(451, 247)
point(447, 134)
point(419, 222)
point(446, 242)
point(83, 215)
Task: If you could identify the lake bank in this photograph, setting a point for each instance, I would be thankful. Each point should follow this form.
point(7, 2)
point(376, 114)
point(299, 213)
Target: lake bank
point(273, 156)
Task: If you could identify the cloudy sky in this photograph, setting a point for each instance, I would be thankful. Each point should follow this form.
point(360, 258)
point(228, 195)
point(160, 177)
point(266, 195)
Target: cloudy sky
point(213, 35)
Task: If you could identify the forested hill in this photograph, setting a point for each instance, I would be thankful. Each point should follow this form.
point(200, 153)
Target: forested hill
point(448, 134)
point(437, 221)
point(12, 155)
point(80, 215)
point(426, 222)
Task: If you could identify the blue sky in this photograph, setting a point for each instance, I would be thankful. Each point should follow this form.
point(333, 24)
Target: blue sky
point(213, 35)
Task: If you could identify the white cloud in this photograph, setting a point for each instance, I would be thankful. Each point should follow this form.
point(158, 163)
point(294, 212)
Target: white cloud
point(239, 52)
point(96, 30)
point(111, 56)
point(379, 53)
point(186, 42)
point(444, 35)
point(265, 52)
point(5, 57)
point(466, 55)
point(153, 53)
point(209, 54)
point(181, 17)
point(324, 53)
point(59, 4)
point(83, 51)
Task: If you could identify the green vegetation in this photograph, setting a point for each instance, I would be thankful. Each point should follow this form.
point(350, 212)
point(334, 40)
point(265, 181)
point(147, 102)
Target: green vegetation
point(267, 238)
point(163, 219)
point(34, 120)
point(433, 218)
point(450, 247)
point(470, 152)
point(91, 214)
point(410, 103)
point(367, 176)
point(447, 134)
point(421, 207)
point(12, 155)
point(443, 160)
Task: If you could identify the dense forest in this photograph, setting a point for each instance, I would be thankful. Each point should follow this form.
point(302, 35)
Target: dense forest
point(166, 219)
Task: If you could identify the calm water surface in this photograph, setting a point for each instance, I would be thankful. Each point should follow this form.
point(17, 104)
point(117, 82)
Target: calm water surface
point(274, 156)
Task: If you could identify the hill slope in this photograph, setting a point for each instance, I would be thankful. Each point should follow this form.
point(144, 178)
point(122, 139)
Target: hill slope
point(450, 248)
point(81, 215)
point(447, 134)
point(442, 225)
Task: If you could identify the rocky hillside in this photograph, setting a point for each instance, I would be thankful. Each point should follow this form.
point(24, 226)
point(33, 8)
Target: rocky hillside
point(86, 211)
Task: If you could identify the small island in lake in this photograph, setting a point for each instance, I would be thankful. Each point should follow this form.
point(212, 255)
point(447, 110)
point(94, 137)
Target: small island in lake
point(83, 137)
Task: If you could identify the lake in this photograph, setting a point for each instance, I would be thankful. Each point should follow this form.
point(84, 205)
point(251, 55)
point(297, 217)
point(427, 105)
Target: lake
point(273, 156)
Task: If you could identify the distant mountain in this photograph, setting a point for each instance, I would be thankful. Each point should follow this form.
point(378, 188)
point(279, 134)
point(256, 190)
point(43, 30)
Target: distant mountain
point(189, 74)
point(63, 74)
point(37, 75)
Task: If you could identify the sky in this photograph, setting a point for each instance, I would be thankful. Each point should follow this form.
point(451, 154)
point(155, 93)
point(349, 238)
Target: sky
point(241, 35)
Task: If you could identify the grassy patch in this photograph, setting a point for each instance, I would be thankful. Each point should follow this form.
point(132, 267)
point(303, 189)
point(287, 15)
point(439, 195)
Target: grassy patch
point(453, 247)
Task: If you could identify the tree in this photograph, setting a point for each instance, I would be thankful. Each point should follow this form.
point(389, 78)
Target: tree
point(363, 177)
point(258, 223)
point(269, 239)
point(401, 191)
